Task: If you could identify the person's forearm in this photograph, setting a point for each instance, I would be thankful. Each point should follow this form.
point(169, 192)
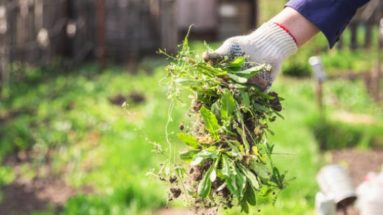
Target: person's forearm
point(300, 28)
point(330, 16)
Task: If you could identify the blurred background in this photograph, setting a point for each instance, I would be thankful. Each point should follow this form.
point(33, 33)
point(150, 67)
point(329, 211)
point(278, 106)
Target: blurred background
point(67, 66)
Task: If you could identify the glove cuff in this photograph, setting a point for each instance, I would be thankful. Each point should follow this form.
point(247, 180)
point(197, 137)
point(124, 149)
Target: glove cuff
point(274, 39)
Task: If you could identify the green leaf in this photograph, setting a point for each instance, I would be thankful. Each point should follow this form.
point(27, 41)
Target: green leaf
point(210, 70)
point(244, 207)
point(187, 81)
point(196, 161)
point(180, 172)
point(232, 172)
point(228, 105)
point(204, 187)
point(188, 139)
point(238, 79)
point(279, 179)
point(250, 195)
point(207, 154)
point(237, 63)
point(242, 133)
point(211, 122)
point(225, 166)
point(250, 176)
point(267, 149)
point(241, 183)
point(185, 44)
point(236, 147)
point(260, 169)
point(260, 108)
point(202, 155)
point(216, 108)
point(188, 155)
point(213, 175)
point(245, 99)
point(232, 185)
point(251, 72)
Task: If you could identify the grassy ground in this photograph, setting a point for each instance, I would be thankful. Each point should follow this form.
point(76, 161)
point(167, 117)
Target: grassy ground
point(90, 141)
point(66, 121)
point(95, 142)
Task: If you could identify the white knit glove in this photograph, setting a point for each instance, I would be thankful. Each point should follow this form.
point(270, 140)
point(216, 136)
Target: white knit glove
point(269, 44)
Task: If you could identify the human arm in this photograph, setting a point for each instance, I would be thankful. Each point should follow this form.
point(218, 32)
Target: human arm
point(330, 16)
point(280, 37)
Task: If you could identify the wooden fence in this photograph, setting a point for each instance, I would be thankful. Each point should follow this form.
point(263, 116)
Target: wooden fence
point(365, 21)
point(30, 27)
point(37, 31)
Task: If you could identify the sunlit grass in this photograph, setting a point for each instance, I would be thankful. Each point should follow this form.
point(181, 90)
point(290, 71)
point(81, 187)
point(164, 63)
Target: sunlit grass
point(110, 148)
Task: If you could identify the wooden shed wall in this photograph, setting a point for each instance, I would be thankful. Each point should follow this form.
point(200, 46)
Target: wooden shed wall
point(35, 29)
point(132, 28)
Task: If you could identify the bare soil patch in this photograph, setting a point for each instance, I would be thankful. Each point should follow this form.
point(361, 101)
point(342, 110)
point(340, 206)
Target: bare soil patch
point(24, 197)
point(134, 98)
point(359, 163)
point(45, 191)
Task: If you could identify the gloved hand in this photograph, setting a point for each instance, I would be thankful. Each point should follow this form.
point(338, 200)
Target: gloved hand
point(270, 44)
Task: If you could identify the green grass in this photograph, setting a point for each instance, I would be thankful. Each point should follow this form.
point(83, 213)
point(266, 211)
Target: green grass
point(111, 148)
point(98, 144)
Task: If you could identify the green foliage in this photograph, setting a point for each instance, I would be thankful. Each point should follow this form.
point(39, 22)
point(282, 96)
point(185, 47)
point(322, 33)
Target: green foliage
point(74, 124)
point(328, 131)
point(351, 96)
point(128, 199)
point(228, 106)
point(6, 175)
point(210, 122)
point(298, 70)
point(227, 134)
point(122, 152)
point(188, 139)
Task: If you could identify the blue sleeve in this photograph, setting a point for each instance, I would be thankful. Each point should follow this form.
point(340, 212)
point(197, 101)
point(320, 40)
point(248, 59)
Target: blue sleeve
point(330, 16)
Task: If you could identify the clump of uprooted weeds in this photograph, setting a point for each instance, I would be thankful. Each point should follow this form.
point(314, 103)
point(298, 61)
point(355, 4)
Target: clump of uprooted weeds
point(228, 161)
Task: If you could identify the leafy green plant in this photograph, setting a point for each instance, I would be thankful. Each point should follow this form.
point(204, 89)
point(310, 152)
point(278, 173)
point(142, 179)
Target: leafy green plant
point(229, 160)
point(298, 70)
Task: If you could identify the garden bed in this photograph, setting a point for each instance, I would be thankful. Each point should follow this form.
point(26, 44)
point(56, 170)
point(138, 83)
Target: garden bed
point(358, 162)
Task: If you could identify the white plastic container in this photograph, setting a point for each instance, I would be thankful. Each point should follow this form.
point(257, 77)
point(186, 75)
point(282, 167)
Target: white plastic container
point(370, 195)
point(324, 205)
point(335, 182)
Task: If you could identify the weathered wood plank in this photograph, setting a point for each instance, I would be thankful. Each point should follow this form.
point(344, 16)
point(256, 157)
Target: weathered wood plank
point(169, 31)
point(4, 75)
